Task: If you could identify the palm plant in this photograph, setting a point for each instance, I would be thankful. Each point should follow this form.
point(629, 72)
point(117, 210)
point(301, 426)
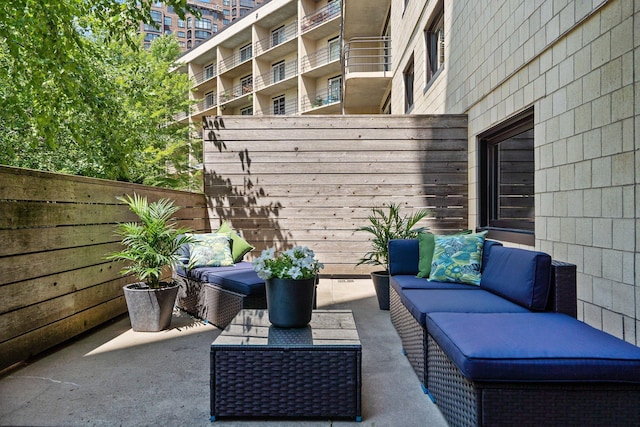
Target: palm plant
point(384, 226)
point(152, 244)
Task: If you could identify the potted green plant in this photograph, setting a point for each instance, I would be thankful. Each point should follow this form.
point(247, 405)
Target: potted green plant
point(384, 225)
point(151, 246)
point(290, 281)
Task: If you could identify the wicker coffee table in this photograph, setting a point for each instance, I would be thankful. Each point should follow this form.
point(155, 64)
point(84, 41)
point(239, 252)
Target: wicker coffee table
point(260, 371)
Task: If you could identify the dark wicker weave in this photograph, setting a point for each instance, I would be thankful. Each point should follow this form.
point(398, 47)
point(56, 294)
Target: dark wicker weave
point(562, 299)
point(265, 372)
point(412, 336)
point(214, 303)
point(468, 403)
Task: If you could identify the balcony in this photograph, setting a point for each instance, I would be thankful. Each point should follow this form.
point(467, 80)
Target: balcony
point(290, 108)
point(236, 64)
point(311, 25)
point(207, 74)
point(278, 79)
point(367, 73)
point(321, 62)
point(324, 102)
point(278, 44)
point(236, 96)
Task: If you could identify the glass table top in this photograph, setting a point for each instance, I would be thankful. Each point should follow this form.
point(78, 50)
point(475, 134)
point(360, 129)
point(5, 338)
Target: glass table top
point(327, 328)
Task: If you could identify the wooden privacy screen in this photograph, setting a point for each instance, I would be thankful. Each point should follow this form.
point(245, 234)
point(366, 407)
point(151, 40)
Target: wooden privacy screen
point(55, 231)
point(312, 180)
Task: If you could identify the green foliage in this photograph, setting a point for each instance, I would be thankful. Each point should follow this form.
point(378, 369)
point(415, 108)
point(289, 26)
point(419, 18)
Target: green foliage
point(80, 96)
point(154, 243)
point(296, 263)
point(384, 226)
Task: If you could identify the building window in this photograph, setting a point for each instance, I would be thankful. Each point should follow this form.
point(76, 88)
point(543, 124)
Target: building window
point(156, 16)
point(434, 41)
point(335, 86)
point(215, 28)
point(209, 71)
point(225, 22)
point(209, 99)
point(277, 36)
point(180, 23)
point(189, 22)
point(246, 111)
point(201, 34)
point(167, 20)
point(507, 208)
point(277, 71)
point(247, 84)
point(204, 24)
point(246, 53)
point(408, 86)
point(334, 49)
point(278, 105)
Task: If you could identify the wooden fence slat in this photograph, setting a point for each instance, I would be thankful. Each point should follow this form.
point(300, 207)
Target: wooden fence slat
point(25, 346)
point(35, 316)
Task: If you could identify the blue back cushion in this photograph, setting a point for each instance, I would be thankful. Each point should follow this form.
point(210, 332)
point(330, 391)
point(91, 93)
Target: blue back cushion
point(404, 255)
point(519, 275)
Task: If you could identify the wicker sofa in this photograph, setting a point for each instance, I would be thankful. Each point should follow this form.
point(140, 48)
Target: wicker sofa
point(511, 351)
point(217, 294)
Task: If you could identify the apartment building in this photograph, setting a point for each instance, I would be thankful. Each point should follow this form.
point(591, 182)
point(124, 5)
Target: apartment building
point(192, 31)
point(286, 58)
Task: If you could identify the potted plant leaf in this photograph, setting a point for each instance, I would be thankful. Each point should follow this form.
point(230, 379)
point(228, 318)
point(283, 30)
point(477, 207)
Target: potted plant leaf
point(384, 225)
point(151, 246)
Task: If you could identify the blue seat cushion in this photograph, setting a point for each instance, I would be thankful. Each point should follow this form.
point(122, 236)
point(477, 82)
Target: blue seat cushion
point(420, 302)
point(532, 347)
point(401, 282)
point(520, 275)
point(239, 278)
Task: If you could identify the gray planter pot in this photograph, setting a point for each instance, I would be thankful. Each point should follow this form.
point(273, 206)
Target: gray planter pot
point(381, 285)
point(290, 302)
point(150, 310)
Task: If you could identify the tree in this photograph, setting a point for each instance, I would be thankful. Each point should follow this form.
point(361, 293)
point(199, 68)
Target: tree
point(80, 96)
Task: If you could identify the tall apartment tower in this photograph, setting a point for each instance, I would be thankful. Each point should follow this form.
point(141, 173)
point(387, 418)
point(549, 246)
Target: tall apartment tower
point(191, 31)
point(289, 57)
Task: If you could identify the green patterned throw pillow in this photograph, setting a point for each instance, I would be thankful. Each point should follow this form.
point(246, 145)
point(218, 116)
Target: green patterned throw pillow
point(239, 246)
point(426, 246)
point(211, 250)
point(458, 258)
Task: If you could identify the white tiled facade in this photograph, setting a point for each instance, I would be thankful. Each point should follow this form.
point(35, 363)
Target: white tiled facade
point(577, 63)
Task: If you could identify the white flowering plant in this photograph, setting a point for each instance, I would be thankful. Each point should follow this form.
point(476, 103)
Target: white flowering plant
point(296, 263)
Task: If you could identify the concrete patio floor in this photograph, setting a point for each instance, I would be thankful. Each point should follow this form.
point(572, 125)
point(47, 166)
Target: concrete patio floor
point(114, 376)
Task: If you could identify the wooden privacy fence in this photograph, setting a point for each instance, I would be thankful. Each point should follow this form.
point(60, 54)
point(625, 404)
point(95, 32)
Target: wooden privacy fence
point(55, 231)
point(312, 180)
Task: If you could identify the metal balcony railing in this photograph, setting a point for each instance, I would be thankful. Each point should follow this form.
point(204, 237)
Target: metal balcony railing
point(290, 108)
point(323, 97)
point(368, 54)
point(319, 57)
point(277, 73)
point(208, 73)
point(236, 59)
point(276, 38)
point(235, 92)
point(320, 16)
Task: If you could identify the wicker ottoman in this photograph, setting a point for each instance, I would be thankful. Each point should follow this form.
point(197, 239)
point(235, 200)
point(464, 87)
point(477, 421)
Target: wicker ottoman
point(260, 371)
point(512, 375)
